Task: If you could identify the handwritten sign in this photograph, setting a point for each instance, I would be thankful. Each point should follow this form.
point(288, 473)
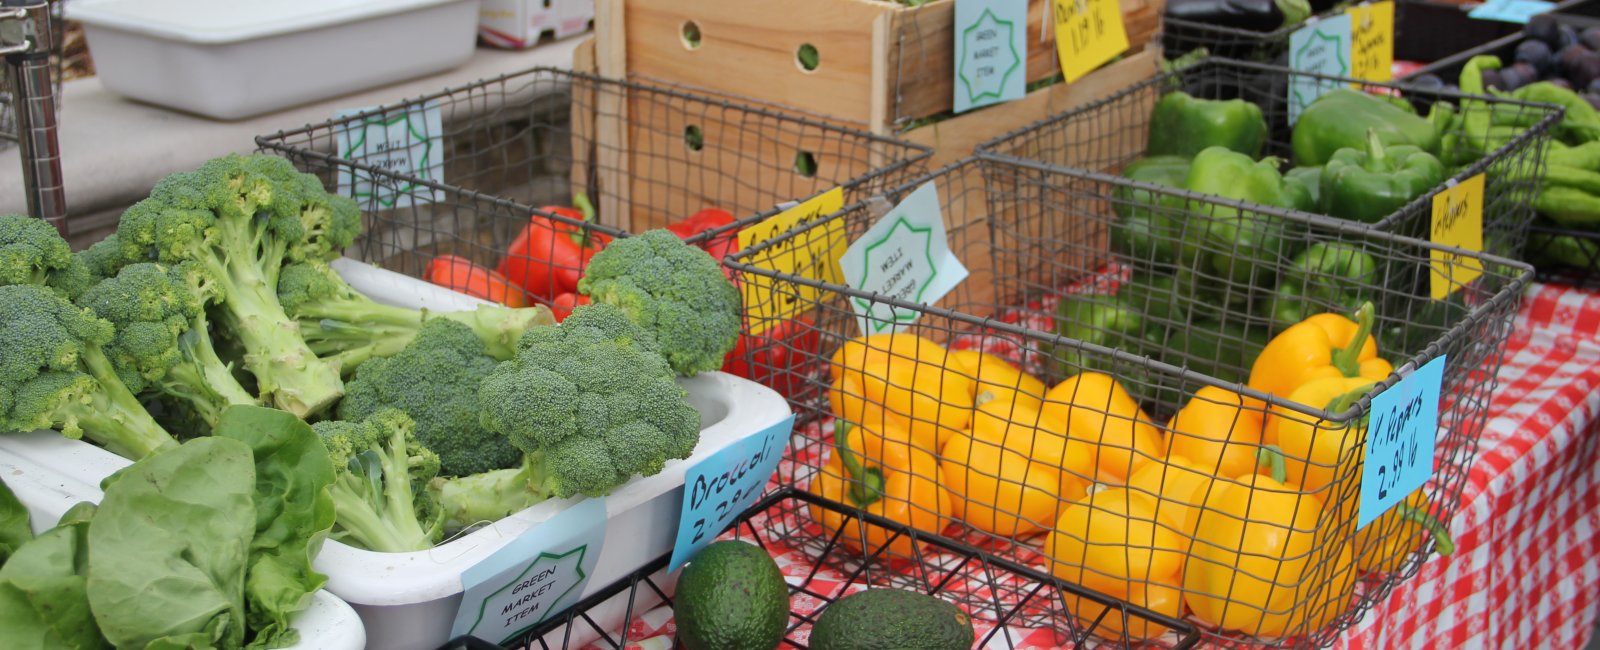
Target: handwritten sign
point(813, 254)
point(405, 142)
point(538, 574)
point(1321, 47)
point(1401, 436)
point(1088, 34)
point(725, 484)
point(1457, 221)
point(990, 66)
point(905, 256)
point(1510, 11)
point(1372, 41)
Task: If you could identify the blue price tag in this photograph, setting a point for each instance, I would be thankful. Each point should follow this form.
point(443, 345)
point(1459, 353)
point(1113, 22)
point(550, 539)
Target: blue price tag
point(405, 141)
point(1510, 11)
point(1400, 440)
point(1320, 47)
point(723, 485)
point(538, 574)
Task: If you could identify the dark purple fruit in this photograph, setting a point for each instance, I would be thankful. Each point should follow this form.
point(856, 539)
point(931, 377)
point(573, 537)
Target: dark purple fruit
point(1568, 58)
point(1593, 87)
point(1587, 71)
point(1543, 28)
point(1569, 35)
point(1535, 53)
point(1491, 79)
point(1517, 76)
point(1560, 83)
point(1590, 38)
point(1594, 100)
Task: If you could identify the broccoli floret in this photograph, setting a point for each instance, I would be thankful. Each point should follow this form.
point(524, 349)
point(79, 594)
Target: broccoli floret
point(675, 291)
point(435, 381)
point(594, 398)
point(380, 489)
point(344, 326)
point(54, 374)
point(489, 496)
point(89, 266)
point(241, 218)
point(163, 340)
point(31, 250)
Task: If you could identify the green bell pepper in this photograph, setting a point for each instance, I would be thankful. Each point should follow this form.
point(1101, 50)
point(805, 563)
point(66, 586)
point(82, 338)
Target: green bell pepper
point(1105, 320)
point(1308, 179)
point(1326, 276)
point(1341, 118)
point(1243, 247)
point(1376, 181)
point(1183, 125)
point(1144, 232)
point(1223, 351)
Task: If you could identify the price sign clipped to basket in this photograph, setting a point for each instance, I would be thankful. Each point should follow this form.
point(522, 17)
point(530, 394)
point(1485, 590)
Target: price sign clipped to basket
point(1372, 41)
point(906, 256)
point(1458, 222)
point(1088, 34)
point(1321, 47)
point(813, 253)
point(990, 52)
point(1510, 11)
point(538, 574)
point(403, 142)
point(725, 484)
point(1401, 435)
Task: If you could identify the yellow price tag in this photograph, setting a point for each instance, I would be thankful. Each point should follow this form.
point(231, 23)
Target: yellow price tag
point(1372, 41)
point(1458, 222)
point(813, 254)
point(1088, 34)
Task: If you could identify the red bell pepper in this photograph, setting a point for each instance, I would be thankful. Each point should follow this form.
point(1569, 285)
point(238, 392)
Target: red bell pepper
point(718, 246)
point(777, 356)
point(460, 274)
point(563, 305)
point(548, 256)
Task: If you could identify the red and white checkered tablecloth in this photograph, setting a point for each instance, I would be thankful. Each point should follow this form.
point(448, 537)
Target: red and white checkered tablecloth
point(1526, 572)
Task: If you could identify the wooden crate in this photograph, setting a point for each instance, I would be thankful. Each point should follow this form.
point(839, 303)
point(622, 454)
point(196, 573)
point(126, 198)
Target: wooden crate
point(883, 65)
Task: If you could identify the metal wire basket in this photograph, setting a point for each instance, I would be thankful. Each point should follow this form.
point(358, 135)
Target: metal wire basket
point(1564, 255)
point(1105, 136)
point(646, 156)
point(1017, 456)
point(822, 574)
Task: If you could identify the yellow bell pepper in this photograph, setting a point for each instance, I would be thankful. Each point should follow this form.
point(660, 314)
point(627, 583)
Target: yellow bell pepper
point(1322, 593)
point(906, 377)
point(1218, 431)
point(883, 477)
point(848, 401)
point(1386, 543)
point(1314, 449)
point(878, 350)
point(1095, 408)
point(1325, 345)
point(1179, 487)
point(1111, 542)
point(1012, 481)
point(996, 379)
point(1252, 543)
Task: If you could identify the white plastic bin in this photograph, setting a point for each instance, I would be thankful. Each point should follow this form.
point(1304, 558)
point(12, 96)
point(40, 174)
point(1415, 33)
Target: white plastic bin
point(231, 59)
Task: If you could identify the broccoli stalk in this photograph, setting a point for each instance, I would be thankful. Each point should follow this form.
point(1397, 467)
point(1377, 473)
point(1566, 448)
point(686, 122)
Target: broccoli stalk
point(163, 339)
point(54, 374)
point(380, 488)
point(241, 219)
point(492, 495)
point(340, 323)
point(595, 399)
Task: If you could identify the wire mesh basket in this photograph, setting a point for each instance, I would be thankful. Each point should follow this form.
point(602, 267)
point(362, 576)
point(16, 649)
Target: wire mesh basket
point(491, 170)
point(1064, 362)
point(1107, 135)
point(820, 574)
point(1564, 255)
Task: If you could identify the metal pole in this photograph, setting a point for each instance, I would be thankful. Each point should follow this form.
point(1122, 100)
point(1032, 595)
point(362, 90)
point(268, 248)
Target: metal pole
point(25, 39)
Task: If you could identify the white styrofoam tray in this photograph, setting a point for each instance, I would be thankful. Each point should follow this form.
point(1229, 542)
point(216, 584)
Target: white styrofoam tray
point(231, 59)
point(50, 474)
point(408, 601)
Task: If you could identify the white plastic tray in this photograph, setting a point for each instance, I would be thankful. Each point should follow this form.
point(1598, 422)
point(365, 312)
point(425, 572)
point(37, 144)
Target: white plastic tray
point(50, 474)
point(231, 59)
point(408, 601)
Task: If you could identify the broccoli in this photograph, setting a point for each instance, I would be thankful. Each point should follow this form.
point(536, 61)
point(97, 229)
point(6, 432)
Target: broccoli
point(89, 266)
point(31, 251)
point(380, 486)
point(163, 340)
point(489, 496)
point(592, 402)
point(54, 374)
point(435, 381)
point(675, 291)
point(342, 325)
point(241, 218)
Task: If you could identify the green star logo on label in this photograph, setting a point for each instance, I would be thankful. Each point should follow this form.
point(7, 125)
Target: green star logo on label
point(1323, 54)
point(900, 266)
point(988, 57)
point(399, 128)
point(535, 593)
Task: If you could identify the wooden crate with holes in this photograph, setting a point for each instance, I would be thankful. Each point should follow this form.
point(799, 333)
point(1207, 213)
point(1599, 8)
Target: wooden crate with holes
point(873, 64)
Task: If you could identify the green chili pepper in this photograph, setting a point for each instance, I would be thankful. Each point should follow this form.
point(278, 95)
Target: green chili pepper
point(1568, 206)
point(1564, 250)
point(1376, 181)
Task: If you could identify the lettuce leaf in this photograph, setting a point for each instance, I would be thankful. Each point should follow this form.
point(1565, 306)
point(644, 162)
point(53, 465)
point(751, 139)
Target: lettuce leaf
point(14, 530)
point(43, 600)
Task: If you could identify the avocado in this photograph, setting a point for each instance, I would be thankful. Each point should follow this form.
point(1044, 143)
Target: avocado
point(731, 596)
point(881, 619)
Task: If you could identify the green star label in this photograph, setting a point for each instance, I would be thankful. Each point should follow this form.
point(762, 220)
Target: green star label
point(904, 257)
point(537, 575)
point(989, 52)
point(401, 145)
point(1321, 47)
